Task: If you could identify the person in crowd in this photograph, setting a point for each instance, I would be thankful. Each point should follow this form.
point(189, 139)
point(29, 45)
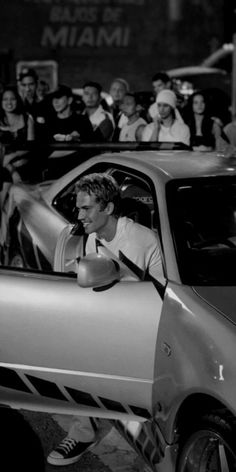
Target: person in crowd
point(119, 87)
point(101, 120)
point(99, 204)
point(66, 124)
point(16, 125)
point(39, 109)
point(160, 81)
point(166, 127)
point(43, 90)
point(132, 131)
point(229, 133)
point(204, 128)
point(28, 83)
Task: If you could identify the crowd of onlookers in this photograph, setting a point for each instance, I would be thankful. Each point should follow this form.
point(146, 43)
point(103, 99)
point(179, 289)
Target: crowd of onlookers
point(29, 111)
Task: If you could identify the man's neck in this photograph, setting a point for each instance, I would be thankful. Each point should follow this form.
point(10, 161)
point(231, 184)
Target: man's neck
point(91, 110)
point(65, 113)
point(167, 122)
point(109, 231)
point(133, 118)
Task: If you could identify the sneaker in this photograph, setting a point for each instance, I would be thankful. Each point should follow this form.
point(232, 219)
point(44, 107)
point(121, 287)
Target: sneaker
point(68, 452)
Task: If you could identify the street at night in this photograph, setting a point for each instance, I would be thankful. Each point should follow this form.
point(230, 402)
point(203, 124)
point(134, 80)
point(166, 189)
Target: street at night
point(111, 454)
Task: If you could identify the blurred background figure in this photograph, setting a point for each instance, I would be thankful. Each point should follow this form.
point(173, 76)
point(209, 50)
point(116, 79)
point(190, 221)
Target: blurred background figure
point(160, 81)
point(28, 82)
point(204, 128)
point(167, 127)
point(39, 109)
point(131, 107)
point(43, 90)
point(101, 120)
point(66, 124)
point(119, 87)
point(16, 124)
point(229, 132)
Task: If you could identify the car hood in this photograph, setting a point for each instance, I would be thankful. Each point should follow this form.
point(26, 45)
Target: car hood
point(222, 299)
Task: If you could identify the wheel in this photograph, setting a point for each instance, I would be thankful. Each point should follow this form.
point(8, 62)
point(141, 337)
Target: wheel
point(209, 447)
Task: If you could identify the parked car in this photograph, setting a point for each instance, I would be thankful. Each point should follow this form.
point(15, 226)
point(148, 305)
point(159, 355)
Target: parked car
point(163, 355)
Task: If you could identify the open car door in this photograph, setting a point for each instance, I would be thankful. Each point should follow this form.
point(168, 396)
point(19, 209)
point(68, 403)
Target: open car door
point(70, 349)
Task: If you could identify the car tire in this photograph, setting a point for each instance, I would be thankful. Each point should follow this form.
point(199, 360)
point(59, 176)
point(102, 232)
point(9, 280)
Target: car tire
point(209, 446)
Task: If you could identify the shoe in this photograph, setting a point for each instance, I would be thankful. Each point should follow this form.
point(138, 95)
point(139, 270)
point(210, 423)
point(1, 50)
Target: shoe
point(68, 452)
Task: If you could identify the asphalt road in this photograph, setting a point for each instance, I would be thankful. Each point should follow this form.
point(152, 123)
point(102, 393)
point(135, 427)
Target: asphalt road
point(111, 454)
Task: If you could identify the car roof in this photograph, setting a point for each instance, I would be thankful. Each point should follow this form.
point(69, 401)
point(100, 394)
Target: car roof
point(167, 165)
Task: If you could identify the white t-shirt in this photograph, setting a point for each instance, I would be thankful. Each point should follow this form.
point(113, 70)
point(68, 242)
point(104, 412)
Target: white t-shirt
point(128, 132)
point(135, 245)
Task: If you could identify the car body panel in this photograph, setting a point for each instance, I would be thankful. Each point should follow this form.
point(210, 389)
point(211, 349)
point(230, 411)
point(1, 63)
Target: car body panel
point(133, 350)
point(185, 367)
point(64, 334)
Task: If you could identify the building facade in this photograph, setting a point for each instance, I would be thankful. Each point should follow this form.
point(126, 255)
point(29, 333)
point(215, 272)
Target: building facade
point(102, 39)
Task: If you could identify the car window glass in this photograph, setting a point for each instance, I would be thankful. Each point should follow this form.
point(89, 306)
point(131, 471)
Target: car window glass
point(203, 222)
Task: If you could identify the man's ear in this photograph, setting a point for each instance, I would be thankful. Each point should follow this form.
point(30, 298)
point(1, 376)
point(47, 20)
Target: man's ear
point(70, 100)
point(109, 208)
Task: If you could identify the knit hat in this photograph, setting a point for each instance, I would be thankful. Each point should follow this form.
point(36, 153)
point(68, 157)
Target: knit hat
point(168, 97)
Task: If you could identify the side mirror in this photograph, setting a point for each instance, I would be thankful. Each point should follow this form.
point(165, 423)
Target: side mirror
point(97, 271)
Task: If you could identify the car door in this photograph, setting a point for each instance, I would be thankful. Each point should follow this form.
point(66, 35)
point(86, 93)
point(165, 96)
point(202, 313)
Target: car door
point(66, 348)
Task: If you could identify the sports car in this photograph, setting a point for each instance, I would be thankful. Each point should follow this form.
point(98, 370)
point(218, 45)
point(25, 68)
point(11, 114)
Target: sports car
point(160, 354)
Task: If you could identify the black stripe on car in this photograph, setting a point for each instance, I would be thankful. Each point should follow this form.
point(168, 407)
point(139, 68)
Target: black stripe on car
point(112, 405)
point(46, 388)
point(140, 411)
point(82, 398)
point(10, 379)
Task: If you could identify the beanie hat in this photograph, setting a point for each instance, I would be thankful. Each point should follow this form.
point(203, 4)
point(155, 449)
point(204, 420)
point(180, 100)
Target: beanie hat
point(168, 97)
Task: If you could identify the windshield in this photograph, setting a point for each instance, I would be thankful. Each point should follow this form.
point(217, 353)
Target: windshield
point(202, 216)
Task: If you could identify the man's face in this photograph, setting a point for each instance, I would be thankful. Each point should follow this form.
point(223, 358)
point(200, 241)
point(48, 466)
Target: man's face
point(159, 85)
point(91, 97)
point(164, 110)
point(28, 87)
point(117, 91)
point(128, 106)
point(61, 104)
point(93, 218)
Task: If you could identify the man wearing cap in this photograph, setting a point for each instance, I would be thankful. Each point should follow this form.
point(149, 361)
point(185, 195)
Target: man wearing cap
point(39, 110)
point(166, 127)
point(66, 124)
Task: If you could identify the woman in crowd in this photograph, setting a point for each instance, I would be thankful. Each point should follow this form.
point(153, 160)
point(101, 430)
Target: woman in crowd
point(166, 127)
point(204, 128)
point(16, 125)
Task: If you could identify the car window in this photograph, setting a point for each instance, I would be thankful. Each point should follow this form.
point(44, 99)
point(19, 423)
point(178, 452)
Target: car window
point(203, 222)
point(32, 229)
